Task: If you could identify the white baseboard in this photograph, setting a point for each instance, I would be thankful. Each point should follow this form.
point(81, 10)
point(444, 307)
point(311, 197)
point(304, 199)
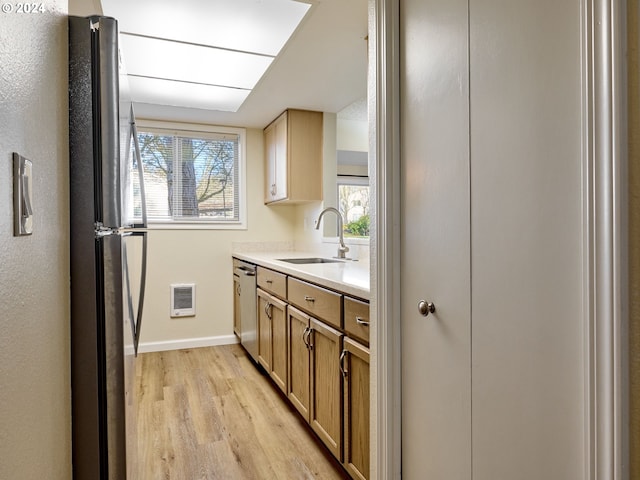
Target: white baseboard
point(187, 343)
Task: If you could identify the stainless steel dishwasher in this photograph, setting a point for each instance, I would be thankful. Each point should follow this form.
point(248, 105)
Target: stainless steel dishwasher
point(246, 273)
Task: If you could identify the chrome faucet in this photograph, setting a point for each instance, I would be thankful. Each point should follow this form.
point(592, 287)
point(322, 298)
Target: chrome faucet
point(342, 249)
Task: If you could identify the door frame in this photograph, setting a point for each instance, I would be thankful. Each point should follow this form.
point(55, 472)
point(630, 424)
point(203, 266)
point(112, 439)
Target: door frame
point(384, 153)
point(605, 257)
point(605, 238)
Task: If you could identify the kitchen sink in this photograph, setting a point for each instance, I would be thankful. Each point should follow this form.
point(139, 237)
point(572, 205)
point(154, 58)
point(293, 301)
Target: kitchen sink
point(304, 261)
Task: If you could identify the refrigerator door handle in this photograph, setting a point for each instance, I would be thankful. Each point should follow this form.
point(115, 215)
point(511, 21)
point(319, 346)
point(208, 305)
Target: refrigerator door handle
point(127, 289)
point(136, 146)
point(143, 285)
point(135, 317)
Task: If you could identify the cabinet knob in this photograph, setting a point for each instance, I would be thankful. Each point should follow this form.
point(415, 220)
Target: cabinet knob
point(425, 308)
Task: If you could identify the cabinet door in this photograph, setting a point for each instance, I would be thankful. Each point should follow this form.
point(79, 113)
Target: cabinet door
point(264, 331)
point(355, 370)
point(236, 306)
point(277, 310)
point(326, 386)
point(276, 161)
point(270, 163)
point(281, 179)
point(299, 360)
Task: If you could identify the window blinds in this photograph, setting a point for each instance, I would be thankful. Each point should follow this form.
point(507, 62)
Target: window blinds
point(188, 178)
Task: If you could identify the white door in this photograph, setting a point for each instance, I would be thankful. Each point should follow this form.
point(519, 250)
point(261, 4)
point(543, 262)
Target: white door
point(528, 342)
point(494, 382)
point(436, 354)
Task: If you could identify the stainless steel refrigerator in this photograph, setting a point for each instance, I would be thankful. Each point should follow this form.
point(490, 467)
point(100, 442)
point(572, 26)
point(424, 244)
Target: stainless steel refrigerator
point(105, 326)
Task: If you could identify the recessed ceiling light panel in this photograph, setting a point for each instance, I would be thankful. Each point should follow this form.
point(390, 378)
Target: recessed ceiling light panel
point(181, 94)
point(260, 26)
point(171, 60)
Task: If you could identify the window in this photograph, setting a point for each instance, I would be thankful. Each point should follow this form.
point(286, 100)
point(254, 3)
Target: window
point(353, 203)
point(191, 177)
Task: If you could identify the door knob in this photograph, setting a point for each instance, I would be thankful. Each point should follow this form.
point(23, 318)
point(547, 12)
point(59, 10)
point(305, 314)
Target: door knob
point(425, 308)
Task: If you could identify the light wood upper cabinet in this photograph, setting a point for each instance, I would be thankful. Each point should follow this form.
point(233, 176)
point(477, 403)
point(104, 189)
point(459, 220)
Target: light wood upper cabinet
point(293, 157)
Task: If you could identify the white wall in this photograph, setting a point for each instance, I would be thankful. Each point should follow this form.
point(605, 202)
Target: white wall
point(353, 135)
point(204, 257)
point(35, 436)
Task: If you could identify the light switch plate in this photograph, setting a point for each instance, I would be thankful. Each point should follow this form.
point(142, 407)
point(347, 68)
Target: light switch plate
point(22, 196)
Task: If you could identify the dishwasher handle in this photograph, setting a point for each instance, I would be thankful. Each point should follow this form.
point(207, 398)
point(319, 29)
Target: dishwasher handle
point(247, 271)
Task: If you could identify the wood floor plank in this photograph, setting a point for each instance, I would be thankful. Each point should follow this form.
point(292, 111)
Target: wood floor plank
point(210, 413)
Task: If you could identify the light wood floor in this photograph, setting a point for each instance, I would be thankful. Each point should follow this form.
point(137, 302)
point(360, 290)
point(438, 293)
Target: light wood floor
point(209, 413)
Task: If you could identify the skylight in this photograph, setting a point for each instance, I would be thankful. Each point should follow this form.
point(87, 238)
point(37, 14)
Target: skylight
point(205, 54)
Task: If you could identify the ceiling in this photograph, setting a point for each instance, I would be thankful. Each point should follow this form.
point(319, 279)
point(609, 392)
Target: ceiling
point(322, 67)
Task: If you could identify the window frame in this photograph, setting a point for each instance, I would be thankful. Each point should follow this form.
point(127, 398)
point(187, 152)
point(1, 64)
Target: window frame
point(202, 131)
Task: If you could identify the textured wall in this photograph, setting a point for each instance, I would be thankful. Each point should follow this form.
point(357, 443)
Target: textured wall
point(634, 230)
point(34, 294)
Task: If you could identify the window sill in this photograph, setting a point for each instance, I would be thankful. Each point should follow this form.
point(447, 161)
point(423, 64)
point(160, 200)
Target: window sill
point(347, 241)
point(196, 226)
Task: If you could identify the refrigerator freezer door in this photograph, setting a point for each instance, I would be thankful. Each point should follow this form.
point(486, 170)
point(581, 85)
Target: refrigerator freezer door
point(97, 352)
point(107, 128)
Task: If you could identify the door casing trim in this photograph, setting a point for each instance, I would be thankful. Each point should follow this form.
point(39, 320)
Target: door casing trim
point(384, 148)
point(605, 255)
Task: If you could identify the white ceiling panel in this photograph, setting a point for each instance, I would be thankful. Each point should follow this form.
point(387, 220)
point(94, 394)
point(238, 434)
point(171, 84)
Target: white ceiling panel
point(322, 67)
point(152, 57)
point(190, 95)
point(261, 26)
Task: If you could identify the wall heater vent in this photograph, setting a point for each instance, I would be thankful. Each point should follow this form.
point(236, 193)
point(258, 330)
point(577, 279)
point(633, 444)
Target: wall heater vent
point(183, 300)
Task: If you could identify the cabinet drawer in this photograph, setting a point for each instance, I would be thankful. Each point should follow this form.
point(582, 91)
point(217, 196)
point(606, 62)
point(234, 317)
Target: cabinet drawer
point(319, 302)
point(356, 319)
point(272, 282)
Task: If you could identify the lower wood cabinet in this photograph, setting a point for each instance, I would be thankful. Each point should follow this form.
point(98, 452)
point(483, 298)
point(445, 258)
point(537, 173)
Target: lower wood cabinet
point(326, 385)
point(354, 363)
point(324, 373)
point(272, 337)
point(299, 361)
point(315, 382)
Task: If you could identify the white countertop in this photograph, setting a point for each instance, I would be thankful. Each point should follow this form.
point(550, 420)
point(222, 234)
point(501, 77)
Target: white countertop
point(350, 277)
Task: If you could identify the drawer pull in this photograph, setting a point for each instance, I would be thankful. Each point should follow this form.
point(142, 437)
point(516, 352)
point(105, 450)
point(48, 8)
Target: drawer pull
point(309, 299)
point(269, 281)
point(362, 321)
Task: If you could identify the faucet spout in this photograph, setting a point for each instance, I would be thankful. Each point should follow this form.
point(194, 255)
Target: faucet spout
point(342, 249)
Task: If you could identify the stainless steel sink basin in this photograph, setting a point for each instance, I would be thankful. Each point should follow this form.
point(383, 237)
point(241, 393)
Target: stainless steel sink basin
point(304, 261)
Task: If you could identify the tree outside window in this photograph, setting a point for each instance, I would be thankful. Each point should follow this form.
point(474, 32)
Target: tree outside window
point(353, 203)
point(189, 178)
